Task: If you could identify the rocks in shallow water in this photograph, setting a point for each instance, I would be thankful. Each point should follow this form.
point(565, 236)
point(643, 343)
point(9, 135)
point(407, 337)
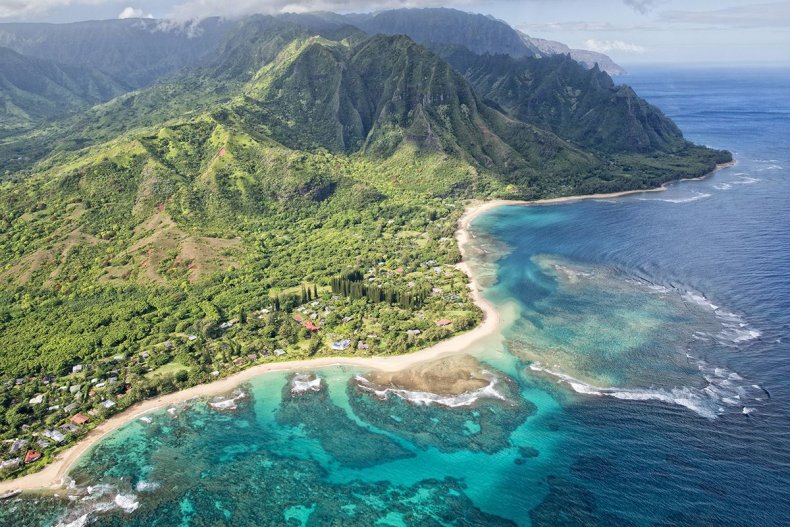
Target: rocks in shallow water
point(228, 403)
point(302, 383)
point(480, 420)
point(306, 404)
point(525, 453)
point(448, 376)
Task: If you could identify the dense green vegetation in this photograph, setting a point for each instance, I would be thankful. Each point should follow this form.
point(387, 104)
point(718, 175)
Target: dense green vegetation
point(295, 196)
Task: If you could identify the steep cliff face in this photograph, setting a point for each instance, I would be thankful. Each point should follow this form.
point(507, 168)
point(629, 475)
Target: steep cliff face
point(478, 33)
point(32, 90)
point(560, 95)
point(586, 58)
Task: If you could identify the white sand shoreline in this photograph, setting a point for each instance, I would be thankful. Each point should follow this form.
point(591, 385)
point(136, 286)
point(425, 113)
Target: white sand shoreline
point(52, 477)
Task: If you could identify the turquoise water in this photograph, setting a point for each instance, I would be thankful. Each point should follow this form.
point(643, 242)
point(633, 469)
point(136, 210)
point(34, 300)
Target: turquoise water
point(641, 378)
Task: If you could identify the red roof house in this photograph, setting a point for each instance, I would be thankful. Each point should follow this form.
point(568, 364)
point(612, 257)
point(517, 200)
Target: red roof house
point(298, 318)
point(443, 322)
point(310, 326)
point(32, 456)
point(80, 419)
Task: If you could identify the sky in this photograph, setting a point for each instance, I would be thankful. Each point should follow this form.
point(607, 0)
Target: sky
point(715, 32)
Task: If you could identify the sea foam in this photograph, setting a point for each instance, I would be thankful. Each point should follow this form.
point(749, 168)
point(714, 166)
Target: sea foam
point(303, 383)
point(419, 398)
point(721, 392)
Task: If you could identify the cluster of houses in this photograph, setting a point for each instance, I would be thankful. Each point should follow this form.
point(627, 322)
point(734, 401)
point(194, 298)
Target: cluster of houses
point(22, 452)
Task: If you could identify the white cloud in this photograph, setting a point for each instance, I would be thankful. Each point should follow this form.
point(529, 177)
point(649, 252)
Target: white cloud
point(196, 9)
point(17, 8)
point(776, 14)
point(605, 46)
point(133, 12)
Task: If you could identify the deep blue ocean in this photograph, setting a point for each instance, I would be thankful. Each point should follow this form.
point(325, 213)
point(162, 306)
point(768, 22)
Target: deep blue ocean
point(642, 378)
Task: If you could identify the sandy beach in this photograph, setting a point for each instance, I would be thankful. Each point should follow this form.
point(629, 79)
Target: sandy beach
point(53, 475)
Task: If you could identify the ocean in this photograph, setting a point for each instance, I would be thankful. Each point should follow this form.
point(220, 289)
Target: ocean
point(642, 377)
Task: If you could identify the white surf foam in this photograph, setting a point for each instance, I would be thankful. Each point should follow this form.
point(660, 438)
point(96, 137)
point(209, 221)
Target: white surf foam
point(303, 383)
point(427, 398)
point(228, 403)
point(745, 180)
point(97, 499)
point(734, 328)
point(81, 521)
point(688, 199)
point(720, 393)
point(127, 502)
point(146, 486)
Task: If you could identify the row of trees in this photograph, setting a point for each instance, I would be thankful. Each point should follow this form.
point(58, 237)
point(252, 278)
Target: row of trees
point(351, 285)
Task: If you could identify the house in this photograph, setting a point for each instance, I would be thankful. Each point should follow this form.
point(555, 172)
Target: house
point(192, 338)
point(108, 404)
point(229, 324)
point(413, 332)
point(144, 355)
point(298, 318)
point(38, 399)
point(340, 345)
point(362, 346)
point(279, 352)
point(69, 407)
point(70, 428)
point(310, 326)
point(215, 373)
point(79, 419)
point(54, 435)
point(240, 361)
point(10, 464)
point(443, 322)
point(77, 368)
point(74, 388)
point(32, 456)
point(18, 445)
point(43, 443)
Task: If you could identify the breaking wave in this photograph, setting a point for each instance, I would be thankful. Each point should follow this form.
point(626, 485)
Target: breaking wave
point(488, 391)
point(723, 391)
point(95, 500)
point(697, 196)
point(228, 403)
point(734, 328)
point(303, 383)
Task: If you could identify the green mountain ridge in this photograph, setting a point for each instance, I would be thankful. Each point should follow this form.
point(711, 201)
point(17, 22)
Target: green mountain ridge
point(583, 105)
point(34, 90)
